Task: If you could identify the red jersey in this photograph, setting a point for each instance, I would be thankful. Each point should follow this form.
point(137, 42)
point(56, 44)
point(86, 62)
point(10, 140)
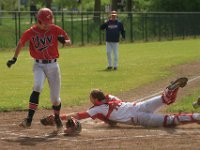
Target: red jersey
point(43, 44)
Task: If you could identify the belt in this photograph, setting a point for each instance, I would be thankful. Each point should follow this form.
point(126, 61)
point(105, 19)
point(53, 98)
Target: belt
point(44, 61)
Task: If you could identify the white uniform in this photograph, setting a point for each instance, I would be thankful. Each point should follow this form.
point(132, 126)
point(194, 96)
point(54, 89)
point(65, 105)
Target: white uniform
point(142, 113)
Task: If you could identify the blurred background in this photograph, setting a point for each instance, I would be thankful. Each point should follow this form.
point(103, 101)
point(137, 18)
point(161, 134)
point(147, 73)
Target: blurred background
point(144, 20)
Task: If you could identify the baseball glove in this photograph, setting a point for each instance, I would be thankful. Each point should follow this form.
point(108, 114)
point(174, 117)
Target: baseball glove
point(73, 127)
point(48, 120)
point(61, 39)
point(11, 62)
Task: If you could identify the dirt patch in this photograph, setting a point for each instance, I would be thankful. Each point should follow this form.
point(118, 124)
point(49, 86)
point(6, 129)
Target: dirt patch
point(97, 135)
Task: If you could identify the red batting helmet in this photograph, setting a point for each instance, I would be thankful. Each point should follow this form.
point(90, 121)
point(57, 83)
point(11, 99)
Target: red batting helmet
point(45, 15)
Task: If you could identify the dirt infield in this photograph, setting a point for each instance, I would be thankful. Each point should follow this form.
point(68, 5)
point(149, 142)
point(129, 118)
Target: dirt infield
point(97, 135)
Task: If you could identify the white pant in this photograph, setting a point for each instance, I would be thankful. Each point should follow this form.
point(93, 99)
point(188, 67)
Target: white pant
point(145, 112)
point(112, 46)
point(50, 71)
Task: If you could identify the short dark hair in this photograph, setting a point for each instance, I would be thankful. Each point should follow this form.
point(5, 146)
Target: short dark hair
point(98, 94)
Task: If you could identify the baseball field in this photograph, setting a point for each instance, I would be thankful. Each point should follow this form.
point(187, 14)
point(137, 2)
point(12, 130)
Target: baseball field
point(145, 69)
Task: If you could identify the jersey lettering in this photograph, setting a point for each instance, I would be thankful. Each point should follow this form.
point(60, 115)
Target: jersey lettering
point(42, 43)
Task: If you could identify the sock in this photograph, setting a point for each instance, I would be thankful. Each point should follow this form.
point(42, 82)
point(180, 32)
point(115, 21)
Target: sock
point(57, 110)
point(33, 104)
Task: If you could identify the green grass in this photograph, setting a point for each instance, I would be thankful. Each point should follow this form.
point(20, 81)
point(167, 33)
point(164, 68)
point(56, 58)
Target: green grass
point(82, 69)
point(185, 104)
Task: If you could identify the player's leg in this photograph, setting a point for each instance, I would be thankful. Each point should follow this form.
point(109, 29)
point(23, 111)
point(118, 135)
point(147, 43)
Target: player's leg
point(168, 96)
point(109, 53)
point(159, 120)
point(180, 119)
point(116, 55)
point(54, 80)
point(170, 93)
point(39, 78)
point(150, 105)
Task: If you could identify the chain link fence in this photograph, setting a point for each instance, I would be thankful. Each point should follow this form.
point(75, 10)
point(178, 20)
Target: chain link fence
point(83, 27)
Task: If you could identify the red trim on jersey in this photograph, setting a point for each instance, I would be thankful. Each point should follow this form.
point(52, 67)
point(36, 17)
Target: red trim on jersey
point(114, 104)
point(83, 115)
point(100, 117)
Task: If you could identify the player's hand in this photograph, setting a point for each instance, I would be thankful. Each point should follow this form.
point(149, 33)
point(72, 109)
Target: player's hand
point(68, 42)
point(11, 62)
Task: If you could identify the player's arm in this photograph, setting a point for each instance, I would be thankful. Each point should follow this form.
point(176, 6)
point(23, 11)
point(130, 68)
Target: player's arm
point(79, 115)
point(67, 40)
point(103, 26)
point(123, 31)
point(63, 37)
point(17, 51)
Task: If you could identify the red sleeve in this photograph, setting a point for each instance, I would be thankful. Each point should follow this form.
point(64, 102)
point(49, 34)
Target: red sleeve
point(83, 115)
point(24, 38)
point(62, 32)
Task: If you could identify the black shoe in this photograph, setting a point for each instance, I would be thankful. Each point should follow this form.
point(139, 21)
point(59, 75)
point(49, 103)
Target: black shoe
point(180, 82)
point(109, 68)
point(58, 122)
point(26, 123)
point(115, 68)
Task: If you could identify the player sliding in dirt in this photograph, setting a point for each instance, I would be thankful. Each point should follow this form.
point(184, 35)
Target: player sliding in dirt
point(112, 110)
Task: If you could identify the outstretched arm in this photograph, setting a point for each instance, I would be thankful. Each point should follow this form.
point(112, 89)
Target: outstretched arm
point(79, 115)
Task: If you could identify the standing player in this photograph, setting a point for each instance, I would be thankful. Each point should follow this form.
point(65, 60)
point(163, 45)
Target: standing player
point(43, 46)
point(113, 29)
point(112, 110)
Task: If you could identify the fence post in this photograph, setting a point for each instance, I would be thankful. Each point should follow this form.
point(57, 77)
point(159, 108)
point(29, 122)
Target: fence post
point(82, 33)
point(172, 27)
point(131, 26)
point(99, 23)
point(183, 23)
point(19, 24)
point(72, 36)
point(146, 31)
point(159, 27)
point(55, 13)
point(16, 36)
point(87, 27)
point(63, 24)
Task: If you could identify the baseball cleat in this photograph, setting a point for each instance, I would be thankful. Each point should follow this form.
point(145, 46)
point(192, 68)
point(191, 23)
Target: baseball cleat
point(25, 123)
point(48, 120)
point(196, 104)
point(180, 82)
point(109, 68)
point(58, 122)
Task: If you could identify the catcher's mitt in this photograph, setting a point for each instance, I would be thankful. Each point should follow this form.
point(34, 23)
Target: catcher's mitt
point(61, 39)
point(73, 126)
point(48, 120)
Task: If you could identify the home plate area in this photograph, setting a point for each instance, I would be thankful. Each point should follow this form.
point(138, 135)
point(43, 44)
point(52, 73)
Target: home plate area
point(97, 135)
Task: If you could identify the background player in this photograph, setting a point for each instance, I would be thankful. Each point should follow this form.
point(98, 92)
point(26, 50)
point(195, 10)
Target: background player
point(113, 29)
point(43, 47)
point(112, 110)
